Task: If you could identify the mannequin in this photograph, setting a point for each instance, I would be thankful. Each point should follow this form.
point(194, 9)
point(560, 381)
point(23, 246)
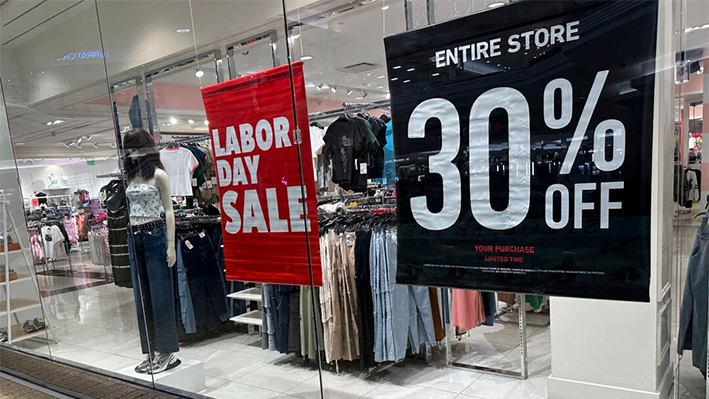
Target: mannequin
point(151, 244)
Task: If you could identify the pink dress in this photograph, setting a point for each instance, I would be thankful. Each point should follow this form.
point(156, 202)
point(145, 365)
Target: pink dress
point(468, 310)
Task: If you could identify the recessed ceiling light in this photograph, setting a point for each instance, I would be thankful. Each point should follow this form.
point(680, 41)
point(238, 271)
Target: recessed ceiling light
point(183, 30)
point(49, 123)
point(388, 96)
point(173, 121)
point(393, 79)
point(190, 121)
point(385, 8)
point(397, 67)
point(206, 123)
point(380, 87)
point(410, 69)
point(436, 74)
point(407, 81)
point(496, 4)
point(19, 143)
point(306, 57)
point(199, 73)
point(381, 77)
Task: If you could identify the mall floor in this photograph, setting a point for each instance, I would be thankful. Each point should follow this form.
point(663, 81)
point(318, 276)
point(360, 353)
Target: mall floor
point(95, 325)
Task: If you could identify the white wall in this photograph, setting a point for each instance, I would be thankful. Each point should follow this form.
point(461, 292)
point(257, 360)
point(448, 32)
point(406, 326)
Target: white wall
point(33, 177)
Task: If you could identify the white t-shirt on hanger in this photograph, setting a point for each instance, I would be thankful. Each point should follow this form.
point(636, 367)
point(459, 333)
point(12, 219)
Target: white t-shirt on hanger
point(180, 163)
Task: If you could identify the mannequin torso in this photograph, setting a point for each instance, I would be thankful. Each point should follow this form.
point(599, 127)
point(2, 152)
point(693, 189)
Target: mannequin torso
point(162, 184)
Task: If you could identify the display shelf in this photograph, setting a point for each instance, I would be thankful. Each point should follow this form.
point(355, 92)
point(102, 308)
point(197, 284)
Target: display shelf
point(19, 334)
point(249, 294)
point(17, 304)
point(20, 278)
point(252, 318)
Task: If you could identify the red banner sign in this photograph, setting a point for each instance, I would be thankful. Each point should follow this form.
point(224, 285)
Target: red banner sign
point(256, 157)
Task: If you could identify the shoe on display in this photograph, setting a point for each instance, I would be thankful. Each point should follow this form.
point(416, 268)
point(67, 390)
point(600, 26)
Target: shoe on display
point(144, 366)
point(39, 323)
point(29, 326)
point(164, 362)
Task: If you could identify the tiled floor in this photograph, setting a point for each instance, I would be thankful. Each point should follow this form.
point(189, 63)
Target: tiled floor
point(97, 326)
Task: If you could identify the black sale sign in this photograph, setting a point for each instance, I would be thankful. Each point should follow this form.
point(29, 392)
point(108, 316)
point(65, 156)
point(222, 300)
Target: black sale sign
point(523, 145)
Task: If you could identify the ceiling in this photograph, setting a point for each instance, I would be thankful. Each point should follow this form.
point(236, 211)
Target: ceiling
point(54, 65)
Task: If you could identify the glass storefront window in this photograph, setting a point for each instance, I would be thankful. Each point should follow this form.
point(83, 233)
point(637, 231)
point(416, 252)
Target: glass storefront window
point(269, 253)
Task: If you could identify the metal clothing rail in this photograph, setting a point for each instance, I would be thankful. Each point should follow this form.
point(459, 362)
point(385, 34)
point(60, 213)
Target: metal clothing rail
point(193, 140)
point(522, 319)
point(109, 176)
point(349, 107)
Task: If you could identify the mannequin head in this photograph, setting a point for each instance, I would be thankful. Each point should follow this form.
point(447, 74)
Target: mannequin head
point(141, 154)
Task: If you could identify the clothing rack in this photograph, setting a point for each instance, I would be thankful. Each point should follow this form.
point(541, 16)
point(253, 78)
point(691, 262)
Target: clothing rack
point(110, 176)
point(38, 224)
point(522, 320)
point(349, 107)
point(182, 141)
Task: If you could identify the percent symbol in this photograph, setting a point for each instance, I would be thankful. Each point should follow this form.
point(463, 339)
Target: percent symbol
point(608, 127)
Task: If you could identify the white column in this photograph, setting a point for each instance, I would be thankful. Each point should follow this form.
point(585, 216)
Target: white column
point(611, 349)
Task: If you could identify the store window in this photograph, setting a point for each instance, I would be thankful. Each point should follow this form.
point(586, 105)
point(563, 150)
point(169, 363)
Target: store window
point(214, 202)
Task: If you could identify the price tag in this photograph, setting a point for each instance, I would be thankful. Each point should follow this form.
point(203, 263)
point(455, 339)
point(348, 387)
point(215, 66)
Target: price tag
point(516, 153)
point(363, 169)
point(188, 244)
point(202, 235)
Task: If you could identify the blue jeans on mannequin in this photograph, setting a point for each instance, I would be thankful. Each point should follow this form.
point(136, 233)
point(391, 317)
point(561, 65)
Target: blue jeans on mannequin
point(154, 291)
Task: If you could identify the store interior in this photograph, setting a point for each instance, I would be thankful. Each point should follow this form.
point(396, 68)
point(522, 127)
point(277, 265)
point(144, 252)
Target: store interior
point(65, 99)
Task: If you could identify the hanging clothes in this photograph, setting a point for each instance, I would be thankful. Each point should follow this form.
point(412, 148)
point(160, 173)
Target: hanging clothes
point(436, 312)
point(365, 306)
point(692, 333)
point(204, 278)
point(349, 142)
point(268, 329)
point(117, 223)
point(53, 242)
point(310, 322)
point(71, 229)
point(37, 245)
point(339, 297)
point(468, 310)
point(402, 314)
point(180, 164)
point(535, 301)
